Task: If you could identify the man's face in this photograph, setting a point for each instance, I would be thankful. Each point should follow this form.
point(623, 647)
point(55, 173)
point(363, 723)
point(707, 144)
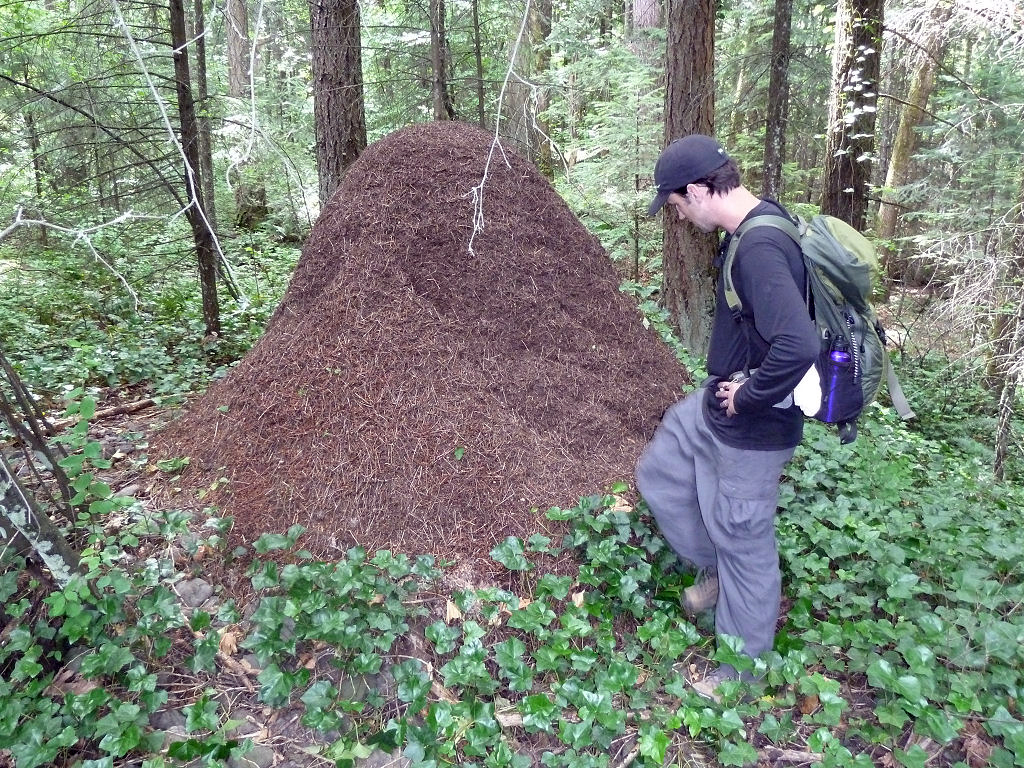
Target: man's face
point(690, 207)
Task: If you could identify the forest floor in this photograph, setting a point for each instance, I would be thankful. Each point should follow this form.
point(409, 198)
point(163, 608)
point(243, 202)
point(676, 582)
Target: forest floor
point(417, 398)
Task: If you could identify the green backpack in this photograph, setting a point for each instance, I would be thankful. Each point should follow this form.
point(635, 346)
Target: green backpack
point(852, 362)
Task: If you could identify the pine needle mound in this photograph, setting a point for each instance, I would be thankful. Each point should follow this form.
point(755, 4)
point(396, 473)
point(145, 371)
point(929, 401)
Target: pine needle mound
point(411, 395)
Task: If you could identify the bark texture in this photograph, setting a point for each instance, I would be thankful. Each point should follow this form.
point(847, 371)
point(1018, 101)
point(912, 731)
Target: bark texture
point(440, 94)
point(236, 19)
point(778, 101)
point(689, 108)
point(206, 248)
point(478, 62)
point(23, 525)
point(1008, 340)
point(645, 14)
point(934, 30)
point(339, 116)
point(540, 30)
point(856, 63)
point(203, 114)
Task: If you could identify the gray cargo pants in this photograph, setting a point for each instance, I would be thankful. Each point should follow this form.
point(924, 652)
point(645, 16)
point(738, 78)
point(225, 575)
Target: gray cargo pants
point(715, 505)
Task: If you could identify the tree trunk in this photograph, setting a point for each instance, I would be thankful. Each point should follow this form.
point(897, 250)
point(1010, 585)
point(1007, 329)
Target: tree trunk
point(737, 116)
point(21, 523)
point(479, 60)
point(1004, 422)
point(203, 117)
point(27, 422)
point(38, 164)
point(856, 62)
point(778, 102)
point(517, 109)
point(922, 82)
point(645, 14)
point(688, 287)
point(339, 116)
point(250, 194)
point(1005, 366)
point(441, 97)
point(236, 19)
point(540, 30)
point(206, 248)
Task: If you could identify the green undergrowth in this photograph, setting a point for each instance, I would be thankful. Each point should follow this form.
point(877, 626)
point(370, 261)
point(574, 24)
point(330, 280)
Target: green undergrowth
point(67, 320)
point(901, 642)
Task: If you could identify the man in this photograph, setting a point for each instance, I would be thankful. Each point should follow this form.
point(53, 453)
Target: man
point(710, 474)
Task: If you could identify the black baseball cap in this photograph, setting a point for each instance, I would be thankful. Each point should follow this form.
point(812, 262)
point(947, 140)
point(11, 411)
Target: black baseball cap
point(683, 162)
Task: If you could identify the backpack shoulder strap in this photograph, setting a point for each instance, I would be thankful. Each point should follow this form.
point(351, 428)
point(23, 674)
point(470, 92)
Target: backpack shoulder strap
point(899, 400)
point(732, 298)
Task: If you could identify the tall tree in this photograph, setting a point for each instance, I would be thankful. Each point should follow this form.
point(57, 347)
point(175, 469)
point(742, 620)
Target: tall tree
point(850, 137)
point(540, 31)
point(236, 22)
point(478, 61)
point(249, 192)
point(440, 95)
point(777, 116)
point(644, 14)
point(203, 114)
point(1008, 339)
point(339, 115)
point(934, 28)
point(688, 286)
point(202, 233)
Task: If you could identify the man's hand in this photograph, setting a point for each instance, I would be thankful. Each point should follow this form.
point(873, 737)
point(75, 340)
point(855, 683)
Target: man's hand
point(725, 394)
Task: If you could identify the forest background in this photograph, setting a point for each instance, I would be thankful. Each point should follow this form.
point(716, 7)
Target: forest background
point(160, 166)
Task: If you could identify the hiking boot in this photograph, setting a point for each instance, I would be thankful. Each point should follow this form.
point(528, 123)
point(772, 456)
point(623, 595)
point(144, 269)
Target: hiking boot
point(703, 595)
point(707, 688)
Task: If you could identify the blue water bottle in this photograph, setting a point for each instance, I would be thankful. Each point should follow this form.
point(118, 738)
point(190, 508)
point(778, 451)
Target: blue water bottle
point(838, 372)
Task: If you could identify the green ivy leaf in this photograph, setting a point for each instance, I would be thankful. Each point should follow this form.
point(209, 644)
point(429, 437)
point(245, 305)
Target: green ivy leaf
point(915, 757)
point(653, 743)
point(413, 683)
point(192, 749)
point(276, 685)
point(891, 713)
point(444, 637)
point(319, 696)
point(511, 554)
point(270, 542)
point(202, 715)
point(173, 465)
point(538, 712)
point(38, 745)
point(730, 651)
point(576, 735)
point(539, 543)
point(558, 514)
point(737, 753)
point(124, 741)
point(881, 675)
point(533, 618)
point(110, 658)
point(939, 725)
point(205, 649)
point(775, 730)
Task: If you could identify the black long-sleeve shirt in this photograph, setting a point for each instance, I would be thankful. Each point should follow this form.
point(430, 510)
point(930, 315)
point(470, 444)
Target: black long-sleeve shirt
point(775, 335)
